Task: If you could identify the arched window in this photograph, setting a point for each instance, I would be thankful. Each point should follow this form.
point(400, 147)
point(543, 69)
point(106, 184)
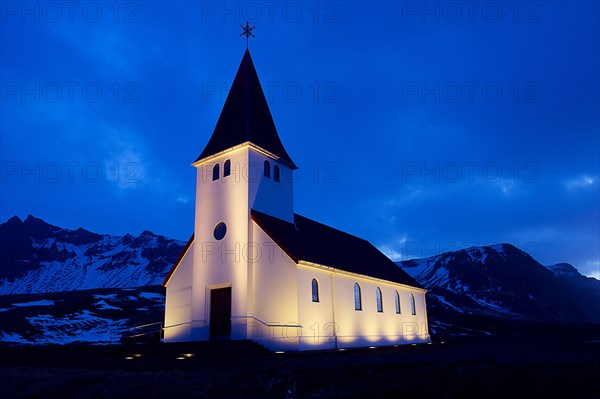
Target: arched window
point(357, 298)
point(379, 301)
point(216, 172)
point(276, 173)
point(315, 290)
point(397, 303)
point(412, 304)
point(227, 168)
point(267, 170)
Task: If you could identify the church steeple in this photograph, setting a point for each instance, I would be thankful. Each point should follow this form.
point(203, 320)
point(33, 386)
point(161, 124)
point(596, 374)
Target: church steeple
point(246, 117)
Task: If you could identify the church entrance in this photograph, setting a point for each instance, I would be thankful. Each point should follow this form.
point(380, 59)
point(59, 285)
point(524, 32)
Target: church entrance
point(220, 313)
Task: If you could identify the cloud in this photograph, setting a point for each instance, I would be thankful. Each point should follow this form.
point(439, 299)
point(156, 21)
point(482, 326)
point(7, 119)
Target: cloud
point(511, 186)
point(125, 165)
point(183, 200)
point(131, 166)
point(592, 269)
point(412, 195)
point(581, 182)
point(390, 251)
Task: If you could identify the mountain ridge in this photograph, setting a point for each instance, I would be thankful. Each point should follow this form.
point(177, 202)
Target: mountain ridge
point(503, 281)
point(37, 257)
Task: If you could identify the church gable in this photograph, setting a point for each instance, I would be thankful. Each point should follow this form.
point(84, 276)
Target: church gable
point(184, 251)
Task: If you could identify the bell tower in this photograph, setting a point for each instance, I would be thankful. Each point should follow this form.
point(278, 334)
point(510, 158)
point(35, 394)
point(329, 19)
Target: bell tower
point(244, 166)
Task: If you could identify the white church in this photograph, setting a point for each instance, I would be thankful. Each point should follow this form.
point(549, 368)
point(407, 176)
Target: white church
point(255, 270)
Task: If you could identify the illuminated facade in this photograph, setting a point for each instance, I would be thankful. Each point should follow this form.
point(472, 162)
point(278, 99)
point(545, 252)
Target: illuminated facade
point(255, 270)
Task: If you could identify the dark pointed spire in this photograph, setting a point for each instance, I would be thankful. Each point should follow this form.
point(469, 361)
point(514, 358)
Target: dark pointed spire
point(246, 117)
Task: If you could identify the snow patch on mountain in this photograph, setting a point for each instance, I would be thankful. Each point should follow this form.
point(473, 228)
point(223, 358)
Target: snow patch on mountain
point(150, 295)
point(105, 306)
point(82, 326)
point(110, 296)
point(42, 302)
point(448, 304)
point(12, 337)
point(477, 254)
point(493, 306)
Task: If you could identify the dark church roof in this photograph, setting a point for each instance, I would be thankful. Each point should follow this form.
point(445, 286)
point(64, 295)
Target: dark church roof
point(246, 117)
point(314, 242)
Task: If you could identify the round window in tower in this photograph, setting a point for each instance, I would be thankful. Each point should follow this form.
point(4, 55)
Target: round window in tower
point(220, 230)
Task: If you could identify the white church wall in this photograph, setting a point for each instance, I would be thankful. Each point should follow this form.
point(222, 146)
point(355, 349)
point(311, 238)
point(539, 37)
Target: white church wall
point(265, 194)
point(368, 327)
point(178, 304)
point(335, 312)
point(420, 319)
point(316, 318)
point(275, 299)
point(219, 263)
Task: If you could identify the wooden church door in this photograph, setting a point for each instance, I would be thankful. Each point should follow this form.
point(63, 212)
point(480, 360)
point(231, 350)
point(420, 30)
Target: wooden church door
point(220, 313)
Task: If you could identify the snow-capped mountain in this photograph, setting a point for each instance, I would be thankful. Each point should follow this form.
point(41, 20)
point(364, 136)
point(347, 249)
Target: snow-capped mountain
point(36, 257)
point(501, 280)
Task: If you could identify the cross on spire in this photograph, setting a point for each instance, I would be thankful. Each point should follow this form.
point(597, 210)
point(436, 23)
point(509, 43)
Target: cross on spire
point(247, 32)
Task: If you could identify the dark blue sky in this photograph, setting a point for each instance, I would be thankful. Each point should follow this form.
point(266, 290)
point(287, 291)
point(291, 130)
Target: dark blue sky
point(423, 127)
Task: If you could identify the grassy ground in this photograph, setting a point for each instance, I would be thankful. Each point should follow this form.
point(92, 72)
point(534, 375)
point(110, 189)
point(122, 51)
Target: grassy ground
point(462, 367)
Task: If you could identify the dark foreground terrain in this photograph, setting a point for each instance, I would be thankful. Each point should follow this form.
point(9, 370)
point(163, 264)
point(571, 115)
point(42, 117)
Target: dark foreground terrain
point(465, 367)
